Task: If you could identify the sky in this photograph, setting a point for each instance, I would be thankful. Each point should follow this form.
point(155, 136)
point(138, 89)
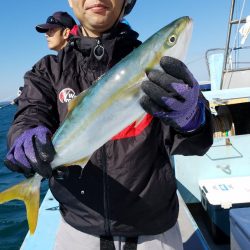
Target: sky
point(21, 46)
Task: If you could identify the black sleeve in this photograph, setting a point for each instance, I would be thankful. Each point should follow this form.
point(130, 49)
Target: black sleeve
point(37, 104)
point(195, 143)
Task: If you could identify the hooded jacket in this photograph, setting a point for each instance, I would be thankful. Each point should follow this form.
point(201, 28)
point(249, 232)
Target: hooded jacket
point(128, 187)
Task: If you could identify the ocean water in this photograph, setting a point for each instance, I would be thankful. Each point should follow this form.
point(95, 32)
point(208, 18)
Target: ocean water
point(13, 223)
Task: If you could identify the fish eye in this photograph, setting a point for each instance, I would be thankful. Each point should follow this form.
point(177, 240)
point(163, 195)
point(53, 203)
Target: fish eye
point(172, 40)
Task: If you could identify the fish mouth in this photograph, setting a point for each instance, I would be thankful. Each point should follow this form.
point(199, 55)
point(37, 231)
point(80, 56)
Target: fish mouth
point(184, 23)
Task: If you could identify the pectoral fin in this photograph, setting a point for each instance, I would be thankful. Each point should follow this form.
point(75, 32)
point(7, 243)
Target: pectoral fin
point(74, 102)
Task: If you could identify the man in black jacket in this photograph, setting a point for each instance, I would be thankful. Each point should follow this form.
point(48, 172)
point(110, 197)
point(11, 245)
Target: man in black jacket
point(125, 197)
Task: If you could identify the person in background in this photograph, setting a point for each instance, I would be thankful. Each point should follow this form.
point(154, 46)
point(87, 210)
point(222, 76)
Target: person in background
point(57, 32)
point(129, 199)
point(57, 29)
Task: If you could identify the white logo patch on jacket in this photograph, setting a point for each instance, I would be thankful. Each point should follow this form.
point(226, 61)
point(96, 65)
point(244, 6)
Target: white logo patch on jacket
point(66, 95)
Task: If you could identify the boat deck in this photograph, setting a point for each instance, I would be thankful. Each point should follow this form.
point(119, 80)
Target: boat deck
point(48, 221)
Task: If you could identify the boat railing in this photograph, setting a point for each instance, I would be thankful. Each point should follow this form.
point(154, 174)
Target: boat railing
point(237, 71)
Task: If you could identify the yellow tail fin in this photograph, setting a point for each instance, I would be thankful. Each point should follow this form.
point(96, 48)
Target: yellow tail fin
point(29, 192)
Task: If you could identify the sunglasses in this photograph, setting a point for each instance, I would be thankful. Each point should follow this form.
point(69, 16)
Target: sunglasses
point(52, 20)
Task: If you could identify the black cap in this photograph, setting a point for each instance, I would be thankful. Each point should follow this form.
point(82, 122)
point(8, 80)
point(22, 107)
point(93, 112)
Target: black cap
point(58, 19)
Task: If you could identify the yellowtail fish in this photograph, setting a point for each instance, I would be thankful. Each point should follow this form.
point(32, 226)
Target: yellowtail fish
point(105, 109)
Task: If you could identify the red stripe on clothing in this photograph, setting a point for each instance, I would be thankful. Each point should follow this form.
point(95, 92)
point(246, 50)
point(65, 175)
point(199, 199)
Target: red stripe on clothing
point(134, 129)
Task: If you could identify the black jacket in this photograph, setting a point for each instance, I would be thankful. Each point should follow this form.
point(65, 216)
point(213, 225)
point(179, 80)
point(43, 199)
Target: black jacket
point(128, 187)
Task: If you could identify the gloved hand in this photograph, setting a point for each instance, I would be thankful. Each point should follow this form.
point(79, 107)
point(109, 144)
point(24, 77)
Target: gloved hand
point(32, 152)
point(173, 96)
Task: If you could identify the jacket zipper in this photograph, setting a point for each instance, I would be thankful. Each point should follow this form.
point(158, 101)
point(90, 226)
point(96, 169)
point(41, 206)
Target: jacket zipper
point(98, 50)
point(105, 192)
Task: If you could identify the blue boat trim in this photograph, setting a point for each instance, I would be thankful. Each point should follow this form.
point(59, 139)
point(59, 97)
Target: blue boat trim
point(48, 222)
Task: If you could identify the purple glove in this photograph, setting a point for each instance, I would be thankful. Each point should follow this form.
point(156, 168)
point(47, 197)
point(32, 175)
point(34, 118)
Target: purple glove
point(32, 152)
point(173, 96)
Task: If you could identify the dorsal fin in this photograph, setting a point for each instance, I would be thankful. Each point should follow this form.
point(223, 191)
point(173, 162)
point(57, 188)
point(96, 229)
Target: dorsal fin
point(74, 102)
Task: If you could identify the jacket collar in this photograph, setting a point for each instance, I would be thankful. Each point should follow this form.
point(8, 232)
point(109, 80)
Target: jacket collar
point(121, 32)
